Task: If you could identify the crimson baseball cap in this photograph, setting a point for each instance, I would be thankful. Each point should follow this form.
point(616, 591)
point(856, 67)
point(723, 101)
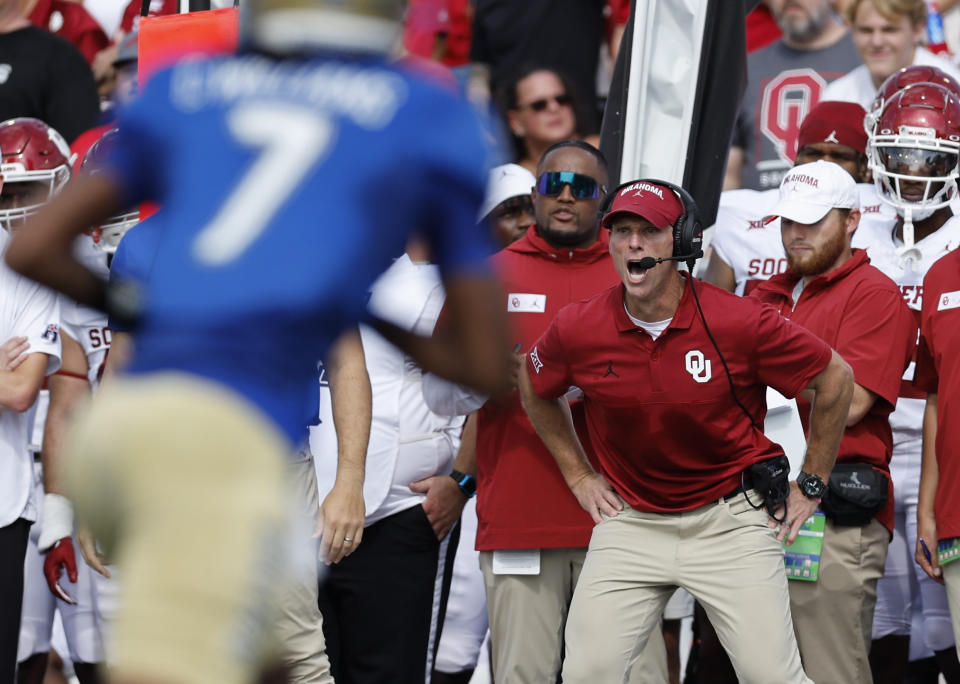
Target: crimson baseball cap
point(654, 202)
point(840, 123)
point(809, 191)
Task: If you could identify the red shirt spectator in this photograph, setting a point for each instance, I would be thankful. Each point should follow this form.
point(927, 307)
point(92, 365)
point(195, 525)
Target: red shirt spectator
point(70, 20)
point(858, 311)
point(438, 29)
point(938, 371)
point(515, 472)
point(762, 28)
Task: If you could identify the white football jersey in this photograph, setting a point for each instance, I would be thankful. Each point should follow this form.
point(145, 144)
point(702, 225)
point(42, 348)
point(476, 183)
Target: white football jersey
point(85, 325)
point(754, 249)
point(408, 441)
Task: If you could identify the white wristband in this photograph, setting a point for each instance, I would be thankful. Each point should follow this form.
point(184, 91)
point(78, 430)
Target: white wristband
point(57, 521)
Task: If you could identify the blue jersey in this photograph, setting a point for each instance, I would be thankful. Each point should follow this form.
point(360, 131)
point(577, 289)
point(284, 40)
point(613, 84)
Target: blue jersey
point(133, 260)
point(287, 186)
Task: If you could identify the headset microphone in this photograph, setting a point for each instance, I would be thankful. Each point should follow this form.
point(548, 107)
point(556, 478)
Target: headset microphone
point(649, 262)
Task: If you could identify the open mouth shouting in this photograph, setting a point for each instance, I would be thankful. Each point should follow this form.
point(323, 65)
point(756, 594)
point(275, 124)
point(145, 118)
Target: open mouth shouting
point(636, 272)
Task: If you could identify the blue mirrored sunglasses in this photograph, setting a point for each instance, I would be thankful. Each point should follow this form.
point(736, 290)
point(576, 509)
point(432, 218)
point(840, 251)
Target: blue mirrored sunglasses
point(582, 187)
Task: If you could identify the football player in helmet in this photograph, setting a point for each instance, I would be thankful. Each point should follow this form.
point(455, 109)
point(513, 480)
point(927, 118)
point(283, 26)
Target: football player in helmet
point(914, 155)
point(108, 234)
point(907, 76)
point(35, 166)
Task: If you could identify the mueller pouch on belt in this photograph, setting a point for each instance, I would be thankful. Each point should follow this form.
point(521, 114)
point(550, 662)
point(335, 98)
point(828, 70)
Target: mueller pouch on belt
point(771, 479)
point(855, 493)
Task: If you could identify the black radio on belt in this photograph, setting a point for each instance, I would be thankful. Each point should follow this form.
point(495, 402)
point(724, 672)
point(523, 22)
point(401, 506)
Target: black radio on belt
point(771, 478)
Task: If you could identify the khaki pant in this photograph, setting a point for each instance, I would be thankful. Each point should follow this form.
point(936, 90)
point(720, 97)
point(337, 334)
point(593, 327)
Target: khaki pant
point(184, 484)
point(723, 553)
point(527, 615)
point(299, 625)
point(833, 617)
point(951, 578)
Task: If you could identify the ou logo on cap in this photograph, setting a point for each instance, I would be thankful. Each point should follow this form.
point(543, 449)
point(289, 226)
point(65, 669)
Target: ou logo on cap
point(699, 367)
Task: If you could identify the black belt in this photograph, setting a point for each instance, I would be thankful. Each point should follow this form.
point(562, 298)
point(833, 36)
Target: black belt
point(745, 485)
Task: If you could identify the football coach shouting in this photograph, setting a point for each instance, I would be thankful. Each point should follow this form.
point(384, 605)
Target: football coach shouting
point(687, 477)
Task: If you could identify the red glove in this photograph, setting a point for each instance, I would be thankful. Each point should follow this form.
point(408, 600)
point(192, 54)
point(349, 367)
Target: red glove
point(60, 554)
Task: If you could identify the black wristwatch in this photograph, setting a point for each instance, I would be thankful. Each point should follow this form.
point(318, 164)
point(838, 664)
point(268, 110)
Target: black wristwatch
point(466, 483)
point(811, 486)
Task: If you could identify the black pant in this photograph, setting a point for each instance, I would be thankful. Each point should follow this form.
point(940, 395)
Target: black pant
point(378, 604)
point(13, 550)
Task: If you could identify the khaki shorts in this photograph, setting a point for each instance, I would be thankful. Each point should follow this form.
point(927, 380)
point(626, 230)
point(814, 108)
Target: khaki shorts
point(183, 483)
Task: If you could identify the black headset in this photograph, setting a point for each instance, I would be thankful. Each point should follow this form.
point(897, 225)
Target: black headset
point(687, 231)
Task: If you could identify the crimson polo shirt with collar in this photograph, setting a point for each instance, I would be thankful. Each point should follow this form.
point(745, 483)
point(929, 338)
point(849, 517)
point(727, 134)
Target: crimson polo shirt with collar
point(858, 311)
point(666, 430)
point(523, 501)
point(938, 370)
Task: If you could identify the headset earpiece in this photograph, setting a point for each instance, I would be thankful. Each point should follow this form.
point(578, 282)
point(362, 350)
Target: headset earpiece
point(687, 231)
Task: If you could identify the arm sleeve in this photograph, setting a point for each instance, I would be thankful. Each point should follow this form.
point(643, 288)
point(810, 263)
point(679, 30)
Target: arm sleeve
point(876, 338)
point(786, 356)
point(38, 319)
point(72, 103)
point(547, 363)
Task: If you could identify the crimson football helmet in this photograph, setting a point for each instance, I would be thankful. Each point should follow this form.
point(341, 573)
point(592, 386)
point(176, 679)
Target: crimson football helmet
point(899, 80)
point(915, 149)
point(36, 164)
point(108, 234)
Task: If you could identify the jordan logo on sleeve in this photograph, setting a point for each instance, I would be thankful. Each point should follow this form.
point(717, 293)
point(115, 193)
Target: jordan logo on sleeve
point(610, 371)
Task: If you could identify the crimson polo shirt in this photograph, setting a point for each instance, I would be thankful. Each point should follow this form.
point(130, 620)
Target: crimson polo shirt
point(523, 502)
point(938, 370)
point(859, 311)
point(667, 432)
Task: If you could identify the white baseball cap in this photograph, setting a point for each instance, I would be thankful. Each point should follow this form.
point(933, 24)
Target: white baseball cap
point(505, 181)
point(809, 191)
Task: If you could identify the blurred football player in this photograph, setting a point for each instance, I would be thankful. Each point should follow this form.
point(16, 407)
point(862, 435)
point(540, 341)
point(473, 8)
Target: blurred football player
point(248, 289)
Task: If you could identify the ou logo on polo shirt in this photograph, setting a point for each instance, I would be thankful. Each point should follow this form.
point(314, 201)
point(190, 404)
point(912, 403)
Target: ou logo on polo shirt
point(698, 366)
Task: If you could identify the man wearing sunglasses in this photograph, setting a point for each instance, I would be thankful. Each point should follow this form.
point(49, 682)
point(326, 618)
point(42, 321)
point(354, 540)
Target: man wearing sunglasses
point(532, 535)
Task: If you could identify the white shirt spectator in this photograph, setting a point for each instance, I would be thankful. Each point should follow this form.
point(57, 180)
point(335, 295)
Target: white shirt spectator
point(408, 442)
point(857, 86)
point(26, 309)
